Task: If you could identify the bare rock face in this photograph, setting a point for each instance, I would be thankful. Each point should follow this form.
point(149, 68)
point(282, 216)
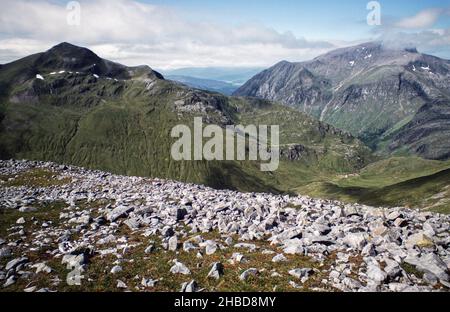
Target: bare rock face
point(367, 248)
point(366, 90)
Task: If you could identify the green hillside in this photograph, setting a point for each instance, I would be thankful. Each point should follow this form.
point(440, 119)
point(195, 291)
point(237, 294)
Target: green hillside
point(57, 106)
point(411, 182)
point(119, 119)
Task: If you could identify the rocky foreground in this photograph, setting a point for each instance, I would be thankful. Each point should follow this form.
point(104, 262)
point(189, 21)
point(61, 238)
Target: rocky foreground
point(64, 228)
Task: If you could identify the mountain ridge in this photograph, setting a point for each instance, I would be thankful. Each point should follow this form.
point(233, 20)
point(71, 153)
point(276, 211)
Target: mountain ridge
point(95, 119)
point(368, 89)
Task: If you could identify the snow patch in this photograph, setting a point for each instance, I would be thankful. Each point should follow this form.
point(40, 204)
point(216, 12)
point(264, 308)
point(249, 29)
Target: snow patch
point(39, 77)
point(352, 63)
point(96, 76)
point(62, 72)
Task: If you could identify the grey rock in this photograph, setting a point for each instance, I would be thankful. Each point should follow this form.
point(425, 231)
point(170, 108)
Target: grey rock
point(116, 269)
point(188, 246)
point(356, 240)
point(121, 284)
point(237, 258)
point(30, 289)
point(180, 213)
point(27, 209)
point(173, 243)
point(190, 287)
point(149, 249)
point(180, 268)
point(279, 258)
point(400, 222)
point(216, 270)
point(376, 274)
point(250, 247)
point(167, 231)
point(210, 248)
point(229, 241)
point(430, 278)
point(118, 212)
point(429, 229)
point(430, 263)
point(74, 277)
point(300, 273)
point(247, 273)
point(42, 267)
point(419, 239)
point(369, 250)
point(292, 245)
point(74, 261)
point(393, 269)
point(15, 263)
point(148, 282)
point(133, 223)
point(352, 283)
point(5, 252)
point(10, 281)
point(394, 215)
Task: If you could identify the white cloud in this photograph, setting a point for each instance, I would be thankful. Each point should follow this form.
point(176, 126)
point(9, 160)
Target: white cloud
point(417, 31)
point(435, 41)
point(423, 19)
point(135, 33)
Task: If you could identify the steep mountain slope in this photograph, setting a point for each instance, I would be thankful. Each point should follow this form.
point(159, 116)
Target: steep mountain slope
point(369, 90)
point(427, 134)
point(70, 106)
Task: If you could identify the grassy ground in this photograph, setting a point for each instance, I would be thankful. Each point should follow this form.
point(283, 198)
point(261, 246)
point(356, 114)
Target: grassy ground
point(407, 181)
point(33, 178)
point(136, 264)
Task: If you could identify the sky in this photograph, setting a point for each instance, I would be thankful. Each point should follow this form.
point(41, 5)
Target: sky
point(169, 34)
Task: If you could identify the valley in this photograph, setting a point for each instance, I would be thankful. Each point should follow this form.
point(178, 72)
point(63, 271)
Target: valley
point(116, 118)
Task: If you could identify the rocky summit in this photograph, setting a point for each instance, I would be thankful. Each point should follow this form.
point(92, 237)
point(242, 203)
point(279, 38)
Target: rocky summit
point(68, 228)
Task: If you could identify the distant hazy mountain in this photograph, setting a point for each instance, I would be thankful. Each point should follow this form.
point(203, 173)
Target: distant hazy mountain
point(205, 84)
point(232, 75)
point(370, 90)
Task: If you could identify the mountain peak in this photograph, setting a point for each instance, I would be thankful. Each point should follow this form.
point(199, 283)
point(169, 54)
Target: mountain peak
point(64, 46)
point(66, 49)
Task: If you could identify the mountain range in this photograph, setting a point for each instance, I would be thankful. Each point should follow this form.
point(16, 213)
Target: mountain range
point(225, 88)
point(236, 76)
point(397, 101)
point(68, 105)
